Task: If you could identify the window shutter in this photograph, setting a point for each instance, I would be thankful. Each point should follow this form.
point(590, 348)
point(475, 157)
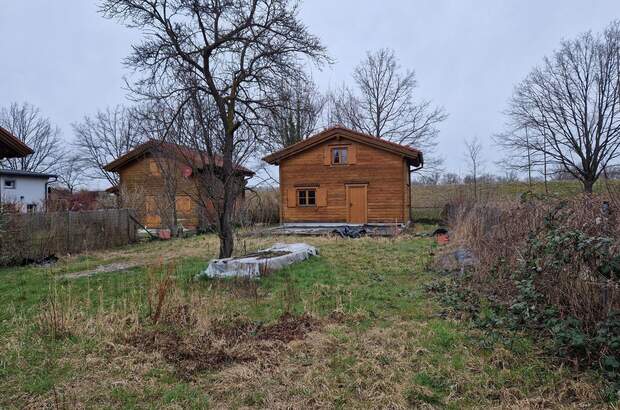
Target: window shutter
point(352, 151)
point(152, 221)
point(291, 198)
point(327, 155)
point(149, 205)
point(321, 197)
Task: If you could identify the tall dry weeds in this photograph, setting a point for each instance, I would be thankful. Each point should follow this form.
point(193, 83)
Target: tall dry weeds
point(159, 286)
point(504, 235)
point(261, 207)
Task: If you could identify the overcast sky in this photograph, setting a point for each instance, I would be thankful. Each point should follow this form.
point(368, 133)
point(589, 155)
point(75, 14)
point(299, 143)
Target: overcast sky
point(66, 59)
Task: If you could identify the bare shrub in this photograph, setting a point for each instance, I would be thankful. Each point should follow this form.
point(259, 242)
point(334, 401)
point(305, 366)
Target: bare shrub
point(159, 287)
point(261, 207)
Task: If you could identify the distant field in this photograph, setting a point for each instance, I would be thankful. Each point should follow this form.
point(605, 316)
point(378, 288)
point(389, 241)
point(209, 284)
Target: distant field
point(429, 200)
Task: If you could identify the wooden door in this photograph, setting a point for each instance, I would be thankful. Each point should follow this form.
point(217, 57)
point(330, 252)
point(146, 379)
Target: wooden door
point(357, 203)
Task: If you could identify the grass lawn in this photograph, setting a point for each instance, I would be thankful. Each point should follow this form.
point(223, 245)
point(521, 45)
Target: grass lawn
point(360, 331)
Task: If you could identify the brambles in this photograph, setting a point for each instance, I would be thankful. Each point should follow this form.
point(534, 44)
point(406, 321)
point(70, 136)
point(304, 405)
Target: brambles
point(547, 266)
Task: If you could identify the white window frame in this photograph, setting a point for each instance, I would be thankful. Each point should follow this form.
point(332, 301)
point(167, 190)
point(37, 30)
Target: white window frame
point(4, 184)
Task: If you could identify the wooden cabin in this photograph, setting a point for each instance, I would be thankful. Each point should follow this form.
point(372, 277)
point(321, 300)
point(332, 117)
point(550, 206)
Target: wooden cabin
point(158, 180)
point(344, 176)
point(11, 146)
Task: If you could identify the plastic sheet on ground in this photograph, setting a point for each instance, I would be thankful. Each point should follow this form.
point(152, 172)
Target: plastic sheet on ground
point(262, 262)
point(350, 231)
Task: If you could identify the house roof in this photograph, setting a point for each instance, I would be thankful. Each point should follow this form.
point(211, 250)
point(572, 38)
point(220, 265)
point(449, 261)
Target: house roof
point(30, 174)
point(182, 151)
point(412, 154)
point(11, 146)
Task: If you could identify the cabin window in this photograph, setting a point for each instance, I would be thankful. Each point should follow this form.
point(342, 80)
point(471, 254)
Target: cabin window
point(339, 156)
point(306, 197)
point(154, 168)
point(183, 203)
point(9, 184)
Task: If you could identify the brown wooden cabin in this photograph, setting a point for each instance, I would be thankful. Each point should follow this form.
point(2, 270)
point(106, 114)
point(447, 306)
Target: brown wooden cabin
point(154, 171)
point(344, 176)
point(11, 146)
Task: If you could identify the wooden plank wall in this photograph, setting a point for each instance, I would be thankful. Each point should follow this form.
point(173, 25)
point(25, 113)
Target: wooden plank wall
point(142, 178)
point(384, 173)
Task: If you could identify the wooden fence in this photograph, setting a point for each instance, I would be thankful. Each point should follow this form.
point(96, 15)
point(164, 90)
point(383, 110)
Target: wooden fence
point(33, 237)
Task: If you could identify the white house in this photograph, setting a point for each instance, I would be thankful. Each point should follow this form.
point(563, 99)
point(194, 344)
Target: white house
point(24, 189)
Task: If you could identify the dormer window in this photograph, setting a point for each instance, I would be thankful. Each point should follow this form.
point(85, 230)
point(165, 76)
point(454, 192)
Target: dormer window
point(339, 156)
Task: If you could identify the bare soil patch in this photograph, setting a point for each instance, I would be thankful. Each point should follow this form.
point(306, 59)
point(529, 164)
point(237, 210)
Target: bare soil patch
point(223, 344)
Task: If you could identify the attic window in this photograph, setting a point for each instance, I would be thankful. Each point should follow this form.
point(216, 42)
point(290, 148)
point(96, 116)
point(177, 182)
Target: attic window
point(9, 184)
point(339, 156)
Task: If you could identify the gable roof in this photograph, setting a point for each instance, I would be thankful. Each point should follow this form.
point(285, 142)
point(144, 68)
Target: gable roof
point(414, 155)
point(11, 146)
point(180, 150)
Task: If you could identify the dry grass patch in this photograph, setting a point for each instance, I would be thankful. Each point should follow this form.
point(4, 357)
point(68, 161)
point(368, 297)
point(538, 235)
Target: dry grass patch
point(351, 329)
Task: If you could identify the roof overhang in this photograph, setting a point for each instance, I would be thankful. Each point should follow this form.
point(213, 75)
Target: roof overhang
point(151, 145)
point(11, 146)
point(413, 155)
point(129, 157)
point(27, 174)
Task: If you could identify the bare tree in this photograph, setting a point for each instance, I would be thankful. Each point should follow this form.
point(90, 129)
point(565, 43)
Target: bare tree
point(294, 115)
point(450, 178)
point(104, 137)
point(26, 123)
point(473, 156)
point(572, 105)
point(222, 60)
point(71, 172)
point(431, 178)
point(384, 105)
point(523, 156)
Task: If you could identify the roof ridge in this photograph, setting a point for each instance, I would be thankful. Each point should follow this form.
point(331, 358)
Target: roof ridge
point(308, 142)
point(342, 127)
point(144, 147)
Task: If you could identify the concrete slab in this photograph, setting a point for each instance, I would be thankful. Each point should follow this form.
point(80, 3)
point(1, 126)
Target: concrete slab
point(320, 229)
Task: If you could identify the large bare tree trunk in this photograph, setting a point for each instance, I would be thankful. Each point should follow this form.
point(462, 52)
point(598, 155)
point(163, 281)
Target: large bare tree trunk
point(226, 234)
point(588, 185)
